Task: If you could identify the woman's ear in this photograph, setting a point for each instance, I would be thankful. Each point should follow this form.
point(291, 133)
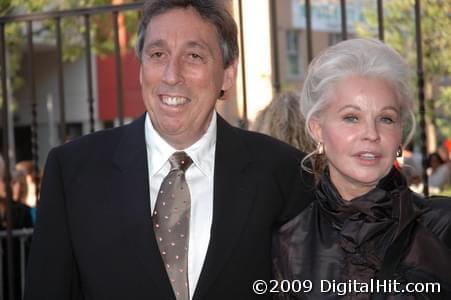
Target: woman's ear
point(315, 128)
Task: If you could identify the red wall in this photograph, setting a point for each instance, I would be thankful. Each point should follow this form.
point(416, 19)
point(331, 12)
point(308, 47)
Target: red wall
point(107, 90)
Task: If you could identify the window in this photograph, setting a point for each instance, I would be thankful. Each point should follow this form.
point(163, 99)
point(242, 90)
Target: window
point(294, 67)
point(334, 38)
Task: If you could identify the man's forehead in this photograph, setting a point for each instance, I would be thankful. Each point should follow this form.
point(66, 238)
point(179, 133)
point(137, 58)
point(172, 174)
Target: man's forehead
point(188, 13)
point(161, 43)
point(163, 29)
point(182, 17)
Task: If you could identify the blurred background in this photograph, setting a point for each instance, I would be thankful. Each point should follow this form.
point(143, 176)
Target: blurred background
point(69, 66)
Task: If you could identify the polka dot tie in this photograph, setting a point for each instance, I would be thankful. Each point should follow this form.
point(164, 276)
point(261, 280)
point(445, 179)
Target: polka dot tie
point(171, 223)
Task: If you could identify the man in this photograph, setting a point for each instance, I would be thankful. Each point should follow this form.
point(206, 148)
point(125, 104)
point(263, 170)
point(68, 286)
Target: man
point(99, 230)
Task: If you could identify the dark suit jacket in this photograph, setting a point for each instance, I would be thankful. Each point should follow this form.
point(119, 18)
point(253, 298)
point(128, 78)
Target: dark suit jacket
point(94, 236)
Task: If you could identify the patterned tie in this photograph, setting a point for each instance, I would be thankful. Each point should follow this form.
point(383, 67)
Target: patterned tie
point(171, 223)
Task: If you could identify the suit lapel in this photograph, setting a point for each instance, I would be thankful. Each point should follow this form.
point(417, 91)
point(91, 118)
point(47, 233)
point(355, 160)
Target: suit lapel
point(233, 199)
point(131, 158)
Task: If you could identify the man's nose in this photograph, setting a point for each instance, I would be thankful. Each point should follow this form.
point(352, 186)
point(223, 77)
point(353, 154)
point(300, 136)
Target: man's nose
point(173, 72)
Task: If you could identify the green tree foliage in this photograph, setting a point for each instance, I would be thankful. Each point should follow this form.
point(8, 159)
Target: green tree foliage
point(399, 25)
point(72, 30)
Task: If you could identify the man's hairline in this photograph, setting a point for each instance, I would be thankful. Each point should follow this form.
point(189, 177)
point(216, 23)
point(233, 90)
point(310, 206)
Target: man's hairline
point(218, 35)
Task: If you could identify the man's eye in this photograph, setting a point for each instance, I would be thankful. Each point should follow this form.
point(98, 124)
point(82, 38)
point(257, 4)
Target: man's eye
point(195, 56)
point(156, 54)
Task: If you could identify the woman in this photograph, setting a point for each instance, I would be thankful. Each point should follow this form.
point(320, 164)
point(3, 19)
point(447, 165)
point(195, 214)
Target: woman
point(281, 119)
point(365, 224)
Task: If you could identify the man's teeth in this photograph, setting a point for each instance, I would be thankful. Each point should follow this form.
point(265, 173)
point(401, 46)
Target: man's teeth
point(174, 101)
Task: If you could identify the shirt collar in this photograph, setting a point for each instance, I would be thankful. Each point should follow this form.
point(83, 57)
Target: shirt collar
point(201, 152)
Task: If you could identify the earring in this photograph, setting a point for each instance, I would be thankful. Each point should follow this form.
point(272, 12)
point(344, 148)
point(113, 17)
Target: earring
point(320, 148)
point(399, 152)
point(221, 94)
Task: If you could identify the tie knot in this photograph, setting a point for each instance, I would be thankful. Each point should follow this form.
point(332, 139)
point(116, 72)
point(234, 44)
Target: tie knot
point(180, 161)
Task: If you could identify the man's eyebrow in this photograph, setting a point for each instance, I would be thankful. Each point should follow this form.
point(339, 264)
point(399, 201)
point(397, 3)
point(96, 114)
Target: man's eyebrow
point(196, 44)
point(199, 45)
point(161, 43)
point(155, 44)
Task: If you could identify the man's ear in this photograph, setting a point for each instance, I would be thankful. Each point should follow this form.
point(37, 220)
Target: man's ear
point(230, 75)
point(141, 75)
point(315, 128)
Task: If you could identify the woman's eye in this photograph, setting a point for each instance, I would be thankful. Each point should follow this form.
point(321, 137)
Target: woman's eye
point(350, 119)
point(387, 120)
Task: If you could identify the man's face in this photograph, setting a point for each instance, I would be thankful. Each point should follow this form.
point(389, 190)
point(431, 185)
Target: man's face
point(182, 74)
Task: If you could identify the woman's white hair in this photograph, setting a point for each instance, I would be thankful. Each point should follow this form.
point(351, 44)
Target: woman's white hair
point(357, 57)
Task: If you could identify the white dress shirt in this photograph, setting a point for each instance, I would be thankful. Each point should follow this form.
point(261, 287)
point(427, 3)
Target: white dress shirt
point(199, 177)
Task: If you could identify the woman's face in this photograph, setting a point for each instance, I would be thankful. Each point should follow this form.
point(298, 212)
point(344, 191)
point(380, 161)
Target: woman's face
point(361, 129)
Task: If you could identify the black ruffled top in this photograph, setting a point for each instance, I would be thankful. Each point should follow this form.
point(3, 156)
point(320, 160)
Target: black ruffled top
point(335, 242)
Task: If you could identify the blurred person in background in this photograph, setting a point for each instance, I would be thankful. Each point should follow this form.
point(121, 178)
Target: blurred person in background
point(32, 179)
point(282, 119)
point(365, 223)
point(439, 172)
point(27, 167)
point(411, 164)
point(443, 152)
point(20, 218)
point(19, 186)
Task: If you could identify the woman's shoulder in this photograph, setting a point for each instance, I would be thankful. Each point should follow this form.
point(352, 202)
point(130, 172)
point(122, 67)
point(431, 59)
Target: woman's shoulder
point(299, 222)
point(437, 217)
